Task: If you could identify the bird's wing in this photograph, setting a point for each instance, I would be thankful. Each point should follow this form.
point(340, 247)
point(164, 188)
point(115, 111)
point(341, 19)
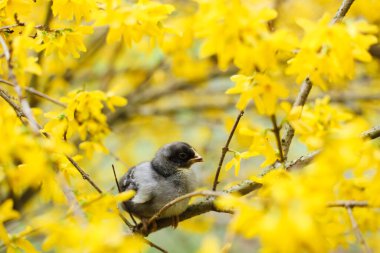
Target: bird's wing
point(139, 179)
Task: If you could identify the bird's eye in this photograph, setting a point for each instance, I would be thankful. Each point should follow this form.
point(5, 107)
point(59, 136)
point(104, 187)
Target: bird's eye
point(182, 155)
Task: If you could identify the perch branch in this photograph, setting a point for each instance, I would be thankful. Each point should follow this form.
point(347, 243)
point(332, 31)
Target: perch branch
point(225, 149)
point(183, 197)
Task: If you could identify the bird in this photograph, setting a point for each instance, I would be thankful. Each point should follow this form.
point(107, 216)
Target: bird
point(157, 182)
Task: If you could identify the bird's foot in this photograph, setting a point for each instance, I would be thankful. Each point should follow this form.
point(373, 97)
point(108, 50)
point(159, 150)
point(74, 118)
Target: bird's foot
point(175, 221)
point(147, 227)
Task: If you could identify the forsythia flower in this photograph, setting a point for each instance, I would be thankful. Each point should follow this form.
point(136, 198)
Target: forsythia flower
point(328, 52)
point(132, 21)
point(260, 88)
point(260, 145)
point(235, 162)
point(227, 26)
point(78, 9)
point(317, 121)
point(84, 115)
point(64, 42)
point(14, 243)
point(284, 210)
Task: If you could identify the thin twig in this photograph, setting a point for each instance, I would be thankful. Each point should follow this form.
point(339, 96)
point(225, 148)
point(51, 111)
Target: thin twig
point(24, 103)
point(36, 93)
point(372, 133)
point(119, 189)
point(130, 226)
point(348, 203)
point(179, 199)
point(342, 11)
point(84, 174)
point(153, 245)
point(225, 149)
point(116, 180)
point(276, 132)
point(307, 84)
point(4, 94)
point(9, 27)
point(357, 232)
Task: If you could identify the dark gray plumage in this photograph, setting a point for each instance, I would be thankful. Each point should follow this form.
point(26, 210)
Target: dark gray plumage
point(161, 180)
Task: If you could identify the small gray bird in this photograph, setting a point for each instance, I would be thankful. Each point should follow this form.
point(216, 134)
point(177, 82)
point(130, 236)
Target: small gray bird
point(161, 180)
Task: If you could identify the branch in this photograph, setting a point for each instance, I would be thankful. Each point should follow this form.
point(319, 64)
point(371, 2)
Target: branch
point(358, 234)
point(36, 93)
point(205, 205)
point(84, 174)
point(307, 84)
point(183, 197)
point(225, 149)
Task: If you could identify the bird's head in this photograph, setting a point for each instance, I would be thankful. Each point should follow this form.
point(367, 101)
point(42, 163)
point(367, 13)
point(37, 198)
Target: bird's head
point(177, 155)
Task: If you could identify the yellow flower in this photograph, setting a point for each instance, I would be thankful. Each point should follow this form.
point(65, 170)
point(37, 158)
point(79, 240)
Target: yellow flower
point(84, 116)
point(64, 42)
point(132, 21)
point(228, 26)
point(260, 88)
point(317, 121)
point(7, 212)
point(235, 162)
point(322, 55)
point(70, 9)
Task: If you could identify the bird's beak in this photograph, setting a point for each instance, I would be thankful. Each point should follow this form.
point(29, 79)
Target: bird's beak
point(197, 158)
